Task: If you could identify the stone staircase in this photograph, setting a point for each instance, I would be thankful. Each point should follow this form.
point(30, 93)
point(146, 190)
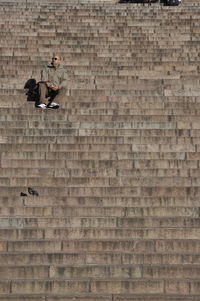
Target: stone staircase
point(116, 168)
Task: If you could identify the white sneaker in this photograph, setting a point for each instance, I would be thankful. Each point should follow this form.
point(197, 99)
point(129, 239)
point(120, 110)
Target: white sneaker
point(53, 105)
point(42, 106)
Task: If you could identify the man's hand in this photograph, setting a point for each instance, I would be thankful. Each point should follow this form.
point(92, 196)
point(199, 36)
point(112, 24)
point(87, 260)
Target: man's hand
point(54, 87)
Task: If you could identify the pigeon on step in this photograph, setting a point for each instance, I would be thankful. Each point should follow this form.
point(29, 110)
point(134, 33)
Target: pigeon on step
point(32, 191)
point(23, 194)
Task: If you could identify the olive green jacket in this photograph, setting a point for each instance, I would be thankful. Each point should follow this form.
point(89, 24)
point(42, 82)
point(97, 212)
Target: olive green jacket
point(56, 76)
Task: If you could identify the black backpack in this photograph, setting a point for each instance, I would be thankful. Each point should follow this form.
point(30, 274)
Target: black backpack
point(32, 90)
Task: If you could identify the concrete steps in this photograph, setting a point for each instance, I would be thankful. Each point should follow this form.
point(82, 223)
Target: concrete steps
point(116, 167)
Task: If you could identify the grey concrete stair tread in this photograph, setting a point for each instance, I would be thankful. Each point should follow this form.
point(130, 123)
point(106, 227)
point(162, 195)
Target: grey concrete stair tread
point(98, 258)
point(118, 272)
point(100, 222)
point(81, 201)
point(98, 157)
point(65, 120)
point(101, 297)
point(119, 140)
point(68, 115)
point(108, 191)
point(139, 163)
point(56, 211)
point(73, 107)
point(105, 233)
point(100, 181)
point(116, 167)
point(127, 146)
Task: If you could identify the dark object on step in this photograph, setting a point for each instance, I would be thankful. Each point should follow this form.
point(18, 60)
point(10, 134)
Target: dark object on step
point(32, 90)
point(172, 2)
point(32, 191)
point(23, 194)
point(139, 1)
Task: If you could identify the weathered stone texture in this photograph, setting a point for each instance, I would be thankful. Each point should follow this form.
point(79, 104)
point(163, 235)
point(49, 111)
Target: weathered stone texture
point(116, 166)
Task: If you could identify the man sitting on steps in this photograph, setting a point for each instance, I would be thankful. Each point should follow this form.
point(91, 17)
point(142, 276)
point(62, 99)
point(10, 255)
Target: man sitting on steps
point(53, 84)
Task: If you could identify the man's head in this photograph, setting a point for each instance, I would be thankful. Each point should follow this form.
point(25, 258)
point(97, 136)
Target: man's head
point(56, 59)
